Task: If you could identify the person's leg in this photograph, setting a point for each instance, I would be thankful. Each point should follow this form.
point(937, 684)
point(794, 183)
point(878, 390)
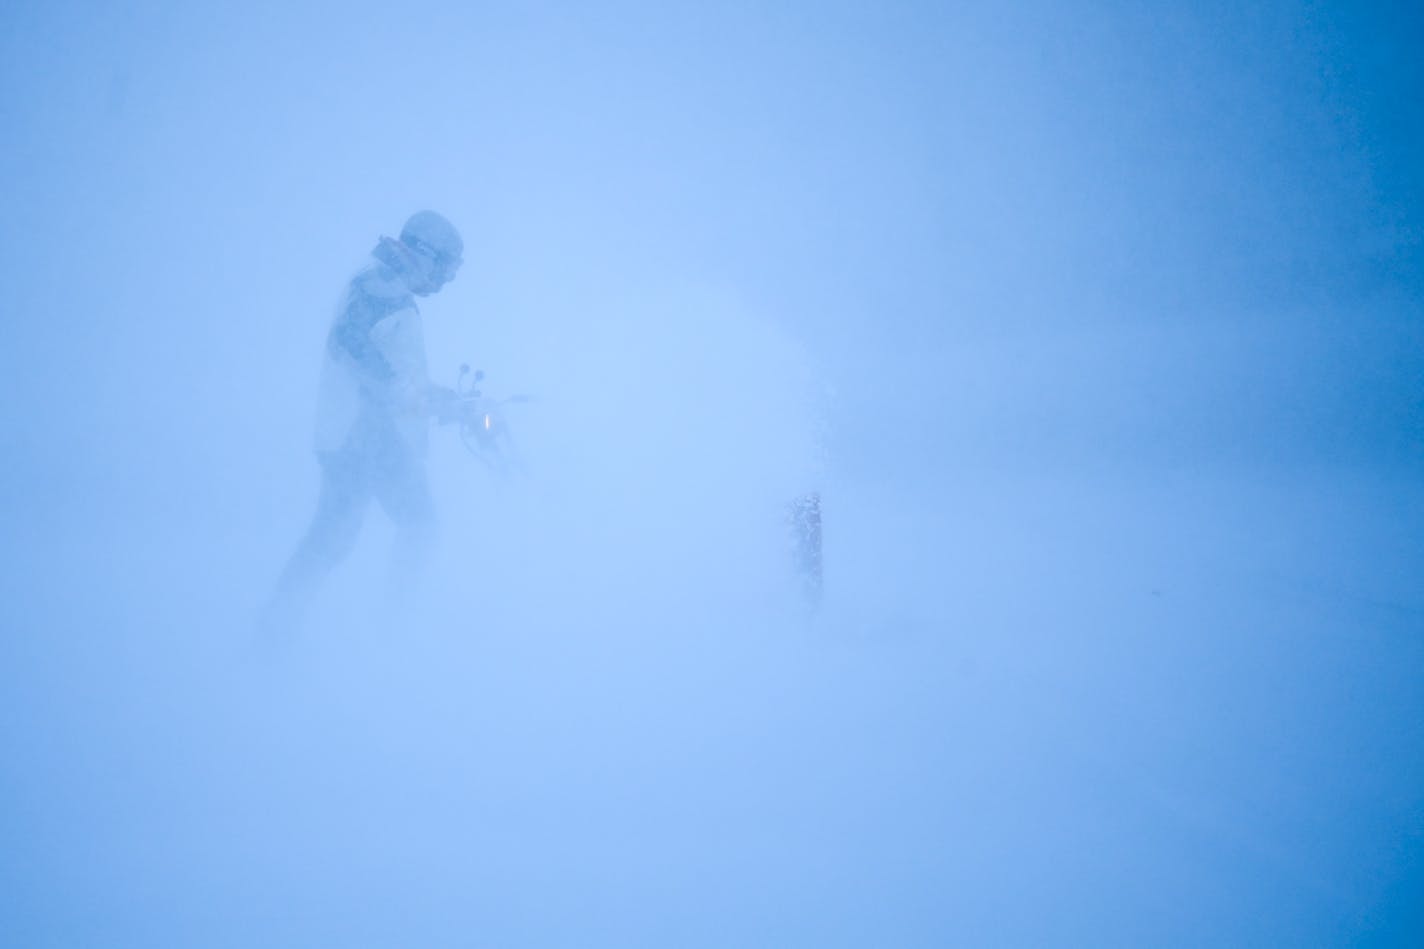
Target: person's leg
point(404, 492)
point(345, 491)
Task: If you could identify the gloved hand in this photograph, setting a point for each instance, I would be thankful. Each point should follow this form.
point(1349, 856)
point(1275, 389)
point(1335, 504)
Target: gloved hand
point(443, 403)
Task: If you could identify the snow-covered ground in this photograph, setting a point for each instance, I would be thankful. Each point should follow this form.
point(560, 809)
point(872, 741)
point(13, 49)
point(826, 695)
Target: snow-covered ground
point(1081, 709)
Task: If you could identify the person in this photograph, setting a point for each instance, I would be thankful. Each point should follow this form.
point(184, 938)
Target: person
point(374, 408)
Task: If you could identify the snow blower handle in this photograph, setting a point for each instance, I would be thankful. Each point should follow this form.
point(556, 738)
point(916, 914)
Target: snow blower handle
point(468, 389)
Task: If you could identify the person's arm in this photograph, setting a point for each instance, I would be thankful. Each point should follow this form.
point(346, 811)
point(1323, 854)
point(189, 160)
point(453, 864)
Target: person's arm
point(401, 343)
point(372, 365)
point(353, 335)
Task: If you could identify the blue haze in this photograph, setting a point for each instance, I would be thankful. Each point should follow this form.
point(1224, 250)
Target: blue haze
point(1098, 327)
